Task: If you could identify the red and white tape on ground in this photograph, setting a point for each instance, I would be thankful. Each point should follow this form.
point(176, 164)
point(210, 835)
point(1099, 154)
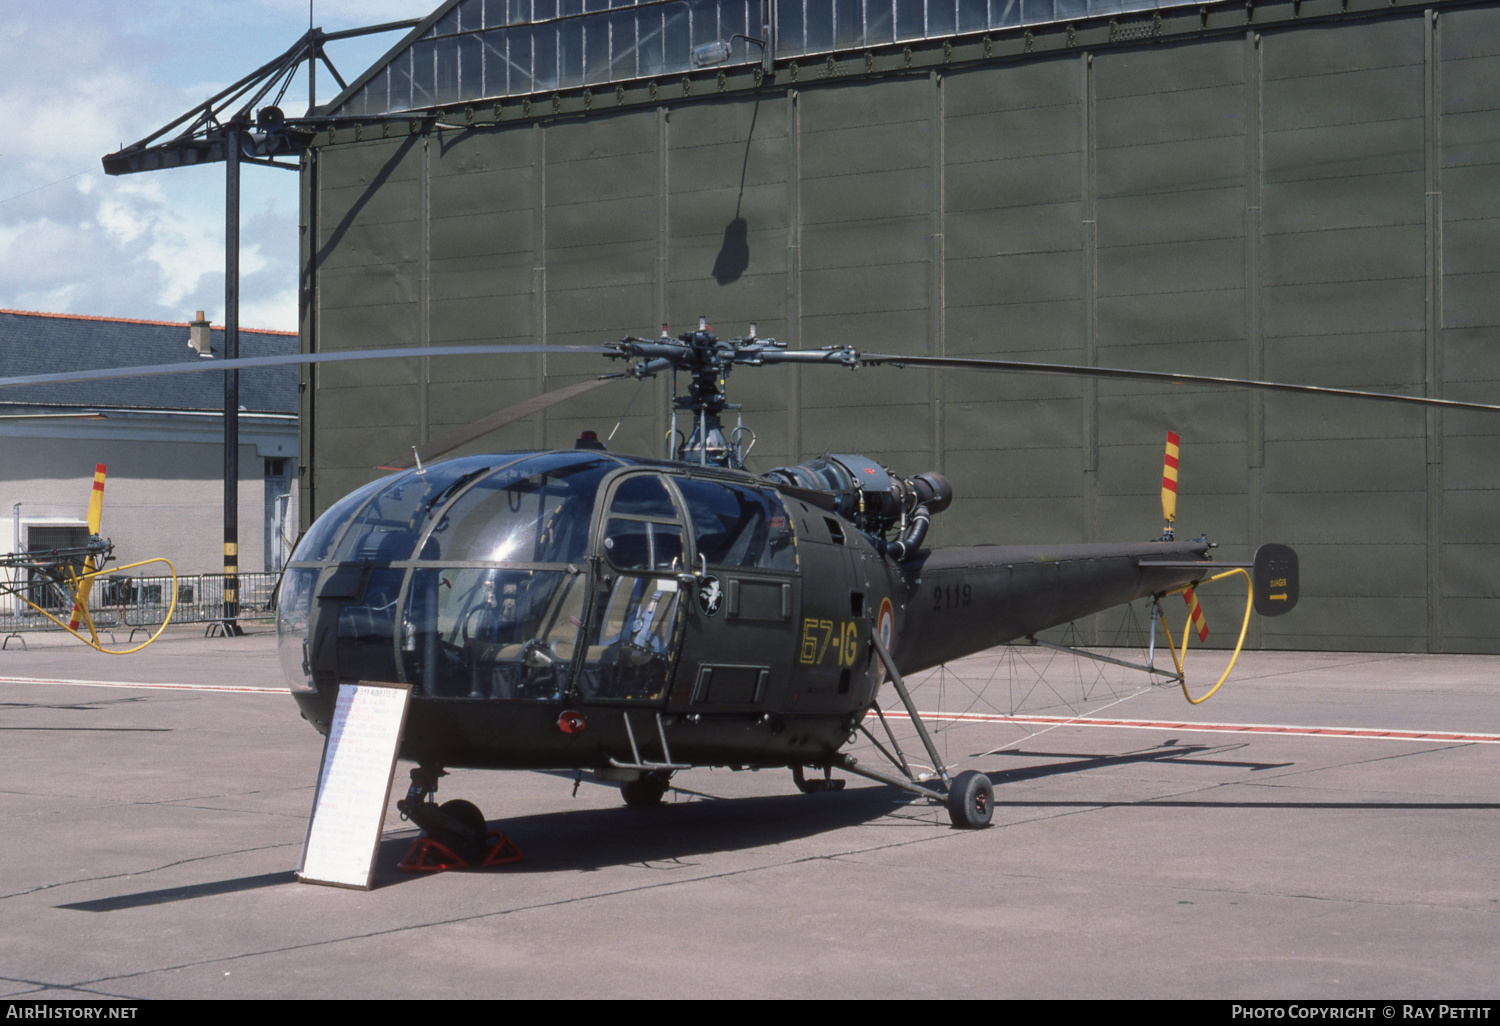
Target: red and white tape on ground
point(145, 685)
point(1435, 736)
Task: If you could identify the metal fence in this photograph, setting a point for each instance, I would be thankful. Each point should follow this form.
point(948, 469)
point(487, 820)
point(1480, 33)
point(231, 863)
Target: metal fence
point(121, 601)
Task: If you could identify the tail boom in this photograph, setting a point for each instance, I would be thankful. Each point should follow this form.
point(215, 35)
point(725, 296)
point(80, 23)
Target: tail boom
point(964, 600)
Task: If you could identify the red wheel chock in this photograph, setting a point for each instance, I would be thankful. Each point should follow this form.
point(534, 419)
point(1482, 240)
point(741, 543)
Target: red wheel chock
point(502, 851)
point(427, 855)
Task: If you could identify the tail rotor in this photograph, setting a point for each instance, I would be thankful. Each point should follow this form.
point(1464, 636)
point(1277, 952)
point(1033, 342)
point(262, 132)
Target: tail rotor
point(1169, 514)
point(1169, 486)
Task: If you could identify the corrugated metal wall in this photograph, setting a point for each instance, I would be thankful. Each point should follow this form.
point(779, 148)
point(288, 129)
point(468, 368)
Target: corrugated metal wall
point(1309, 203)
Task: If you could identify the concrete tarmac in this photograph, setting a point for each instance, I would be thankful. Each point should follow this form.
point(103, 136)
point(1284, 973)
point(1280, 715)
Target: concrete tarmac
point(154, 833)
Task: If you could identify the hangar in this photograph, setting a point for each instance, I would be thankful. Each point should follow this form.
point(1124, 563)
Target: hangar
point(1300, 191)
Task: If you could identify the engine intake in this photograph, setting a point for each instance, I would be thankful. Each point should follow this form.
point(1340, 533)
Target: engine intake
point(874, 499)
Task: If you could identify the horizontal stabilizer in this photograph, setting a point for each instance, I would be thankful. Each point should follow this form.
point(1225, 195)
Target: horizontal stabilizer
point(1275, 578)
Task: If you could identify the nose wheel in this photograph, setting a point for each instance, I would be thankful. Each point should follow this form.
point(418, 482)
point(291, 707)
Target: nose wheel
point(454, 834)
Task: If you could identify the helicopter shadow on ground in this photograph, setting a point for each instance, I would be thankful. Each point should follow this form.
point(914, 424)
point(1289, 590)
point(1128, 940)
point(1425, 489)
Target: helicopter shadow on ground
point(676, 832)
point(1178, 755)
point(671, 834)
point(593, 839)
point(1079, 762)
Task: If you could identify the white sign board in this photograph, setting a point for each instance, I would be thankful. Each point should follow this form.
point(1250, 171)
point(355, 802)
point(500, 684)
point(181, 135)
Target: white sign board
point(359, 756)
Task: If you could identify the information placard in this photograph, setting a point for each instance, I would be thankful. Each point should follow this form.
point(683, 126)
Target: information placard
point(354, 785)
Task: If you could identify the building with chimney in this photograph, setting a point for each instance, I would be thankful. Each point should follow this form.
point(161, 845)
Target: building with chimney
point(161, 438)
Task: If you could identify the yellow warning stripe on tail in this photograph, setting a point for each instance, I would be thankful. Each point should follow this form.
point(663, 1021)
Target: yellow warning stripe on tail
point(96, 519)
point(1195, 613)
point(1169, 479)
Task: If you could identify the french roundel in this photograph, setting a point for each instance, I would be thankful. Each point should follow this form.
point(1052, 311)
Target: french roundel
point(885, 623)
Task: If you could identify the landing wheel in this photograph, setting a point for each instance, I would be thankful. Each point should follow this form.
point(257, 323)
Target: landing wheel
point(468, 821)
point(646, 791)
point(971, 800)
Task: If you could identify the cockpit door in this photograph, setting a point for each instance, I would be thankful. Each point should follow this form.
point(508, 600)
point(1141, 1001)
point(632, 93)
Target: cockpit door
point(635, 618)
point(738, 638)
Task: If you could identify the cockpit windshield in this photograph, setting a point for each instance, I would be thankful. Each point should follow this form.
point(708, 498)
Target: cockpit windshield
point(466, 579)
point(535, 511)
point(388, 526)
point(474, 578)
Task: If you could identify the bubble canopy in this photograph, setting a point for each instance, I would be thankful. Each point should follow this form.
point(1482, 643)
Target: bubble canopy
point(472, 578)
point(426, 576)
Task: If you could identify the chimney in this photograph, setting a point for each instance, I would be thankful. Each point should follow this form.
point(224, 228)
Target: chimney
point(198, 336)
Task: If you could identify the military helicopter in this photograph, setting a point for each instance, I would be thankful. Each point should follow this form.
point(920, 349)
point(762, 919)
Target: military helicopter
point(635, 616)
point(632, 616)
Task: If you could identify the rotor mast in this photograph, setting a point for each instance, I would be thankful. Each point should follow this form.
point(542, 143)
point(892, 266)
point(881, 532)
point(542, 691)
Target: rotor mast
point(708, 359)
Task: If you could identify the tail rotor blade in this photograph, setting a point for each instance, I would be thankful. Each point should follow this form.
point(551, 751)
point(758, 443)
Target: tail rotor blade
point(1169, 482)
point(96, 520)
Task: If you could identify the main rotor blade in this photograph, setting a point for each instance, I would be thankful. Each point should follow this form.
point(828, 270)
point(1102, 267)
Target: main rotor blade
point(244, 363)
point(1072, 370)
point(479, 428)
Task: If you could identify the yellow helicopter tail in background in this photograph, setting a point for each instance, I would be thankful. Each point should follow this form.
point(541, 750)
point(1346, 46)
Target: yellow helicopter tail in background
point(85, 583)
point(75, 569)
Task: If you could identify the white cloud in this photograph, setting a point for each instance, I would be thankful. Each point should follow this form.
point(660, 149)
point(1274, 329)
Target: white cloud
point(80, 84)
point(277, 312)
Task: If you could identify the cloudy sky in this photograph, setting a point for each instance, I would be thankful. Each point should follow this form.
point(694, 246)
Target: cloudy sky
point(81, 78)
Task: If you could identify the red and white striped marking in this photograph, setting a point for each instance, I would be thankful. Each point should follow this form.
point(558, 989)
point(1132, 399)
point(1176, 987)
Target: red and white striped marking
point(1195, 613)
point(138, 685)
point(1434, 736)
point(96, 520)
point(1169, 477)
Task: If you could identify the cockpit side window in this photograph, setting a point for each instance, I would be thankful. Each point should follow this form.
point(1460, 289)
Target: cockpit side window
point(643, 495)
point(644, 530)
point(630, 640)
point(636, 609)
point(739, 527)
point(492, 633)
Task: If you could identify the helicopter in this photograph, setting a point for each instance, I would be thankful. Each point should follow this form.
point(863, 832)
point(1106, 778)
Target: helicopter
point(633, 616)
point(630, 616)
